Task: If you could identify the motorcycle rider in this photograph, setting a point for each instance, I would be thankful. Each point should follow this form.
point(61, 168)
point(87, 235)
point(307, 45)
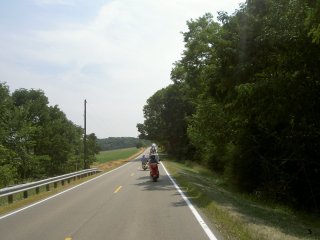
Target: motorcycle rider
point(154, 151)
point(144, 160)
point(153, 159)
point(153, 162)
point(153, 167)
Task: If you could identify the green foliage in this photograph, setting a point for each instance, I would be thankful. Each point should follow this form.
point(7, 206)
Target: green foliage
point(166, 115)
point(209, 132)
point(8, 174)
point(37, 140)
point(8, 171)
point(246, 98)
point(92, 147)
point(313, 21)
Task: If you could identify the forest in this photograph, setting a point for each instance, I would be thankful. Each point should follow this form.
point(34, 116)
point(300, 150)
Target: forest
point(37, 140)
point(245, 100)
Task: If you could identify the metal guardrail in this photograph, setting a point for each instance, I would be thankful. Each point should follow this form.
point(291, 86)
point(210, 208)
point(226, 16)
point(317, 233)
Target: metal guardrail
point(10, 191)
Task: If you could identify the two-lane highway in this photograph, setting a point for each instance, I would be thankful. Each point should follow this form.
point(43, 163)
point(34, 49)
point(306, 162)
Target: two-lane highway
point(122, 204)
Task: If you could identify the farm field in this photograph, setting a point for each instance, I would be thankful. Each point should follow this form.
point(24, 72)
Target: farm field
point(112, 155)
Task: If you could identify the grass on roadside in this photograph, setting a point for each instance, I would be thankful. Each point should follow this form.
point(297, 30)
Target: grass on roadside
point(238, 216)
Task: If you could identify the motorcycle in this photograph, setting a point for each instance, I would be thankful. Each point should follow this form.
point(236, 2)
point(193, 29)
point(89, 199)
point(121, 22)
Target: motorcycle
point(153, 166)
point(154, 171)
point(144, 165)
point(144, 162)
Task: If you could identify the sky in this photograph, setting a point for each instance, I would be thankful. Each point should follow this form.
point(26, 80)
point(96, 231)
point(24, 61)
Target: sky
point(113, 53)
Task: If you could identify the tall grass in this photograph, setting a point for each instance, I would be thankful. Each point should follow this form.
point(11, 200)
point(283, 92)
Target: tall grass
point(241, 216)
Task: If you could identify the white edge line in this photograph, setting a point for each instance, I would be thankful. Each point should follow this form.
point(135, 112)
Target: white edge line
point(46, 199)
point(193, 210)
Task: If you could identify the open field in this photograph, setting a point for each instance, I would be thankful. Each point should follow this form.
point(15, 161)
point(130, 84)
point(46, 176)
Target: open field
point(240, 216)
point(120, 157)
point(111, 155)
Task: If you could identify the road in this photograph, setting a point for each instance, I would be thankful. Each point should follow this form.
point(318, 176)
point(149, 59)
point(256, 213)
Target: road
point(123, 204)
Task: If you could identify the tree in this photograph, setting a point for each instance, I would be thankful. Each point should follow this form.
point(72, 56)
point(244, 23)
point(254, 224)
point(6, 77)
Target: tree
point(60, 140)
point(36, 141)
point(247, 92)
point(92, 147)
point(313, 20)
point(165, 119)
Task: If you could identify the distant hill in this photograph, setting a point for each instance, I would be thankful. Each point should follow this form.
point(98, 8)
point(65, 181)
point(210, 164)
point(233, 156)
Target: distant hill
point(112, 143)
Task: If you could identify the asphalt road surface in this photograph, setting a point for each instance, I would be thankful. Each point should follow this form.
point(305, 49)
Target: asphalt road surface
point(123, 204)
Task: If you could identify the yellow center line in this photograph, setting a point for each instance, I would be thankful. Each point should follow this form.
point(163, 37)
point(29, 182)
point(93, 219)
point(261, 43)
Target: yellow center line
point(118, 189)
point(132, 174)
point(68, 238)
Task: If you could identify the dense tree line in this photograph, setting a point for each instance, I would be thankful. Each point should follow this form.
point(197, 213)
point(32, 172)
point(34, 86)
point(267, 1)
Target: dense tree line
point(245, 99)
point(37, 140)
point(112, 143)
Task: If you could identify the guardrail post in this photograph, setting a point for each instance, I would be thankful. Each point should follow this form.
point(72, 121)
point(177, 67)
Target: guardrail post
point(64, 179)
point(10, 199)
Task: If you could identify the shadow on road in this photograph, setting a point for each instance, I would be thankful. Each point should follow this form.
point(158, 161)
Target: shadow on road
point(180, 203)
point(147, 184)
point(163, 184)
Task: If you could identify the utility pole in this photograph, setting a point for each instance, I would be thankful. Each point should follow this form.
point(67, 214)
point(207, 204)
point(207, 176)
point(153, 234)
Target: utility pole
point(85, 136)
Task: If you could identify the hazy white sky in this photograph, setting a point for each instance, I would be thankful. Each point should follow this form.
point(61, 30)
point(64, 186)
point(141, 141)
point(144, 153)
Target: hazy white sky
point(114, 53)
